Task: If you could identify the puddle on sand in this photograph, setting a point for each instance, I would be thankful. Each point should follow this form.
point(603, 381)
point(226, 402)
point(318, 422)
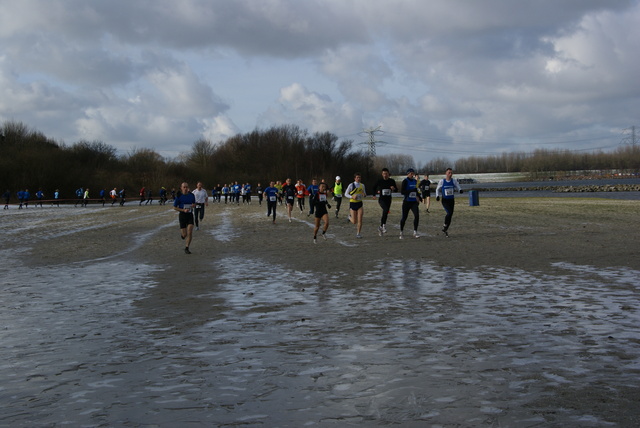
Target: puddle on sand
point(406, 342)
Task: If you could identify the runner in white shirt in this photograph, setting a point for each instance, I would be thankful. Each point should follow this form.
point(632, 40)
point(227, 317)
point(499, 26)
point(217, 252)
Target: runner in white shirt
point(202, 200)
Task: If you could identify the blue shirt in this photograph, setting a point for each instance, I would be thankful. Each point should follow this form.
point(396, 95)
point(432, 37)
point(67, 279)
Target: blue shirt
point(410, 189)
point(271, 192)
point(448, 188)
point(185, 201)
point(312, 189)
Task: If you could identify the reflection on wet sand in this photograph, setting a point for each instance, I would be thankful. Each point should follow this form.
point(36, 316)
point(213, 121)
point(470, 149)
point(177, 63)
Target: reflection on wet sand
point(108, 342)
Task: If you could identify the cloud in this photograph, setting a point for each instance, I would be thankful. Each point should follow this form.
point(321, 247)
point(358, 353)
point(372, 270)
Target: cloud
point(310, 110)
point(483, 77)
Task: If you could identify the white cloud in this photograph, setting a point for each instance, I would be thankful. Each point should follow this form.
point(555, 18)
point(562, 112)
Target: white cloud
point(163, 73)
point(310, 110)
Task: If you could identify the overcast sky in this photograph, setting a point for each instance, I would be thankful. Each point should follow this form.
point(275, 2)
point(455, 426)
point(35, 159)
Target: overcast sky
point(441, 78)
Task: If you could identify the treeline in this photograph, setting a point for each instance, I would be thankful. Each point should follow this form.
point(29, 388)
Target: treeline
point(275, 154)
point(30, 160)
point(624, 158)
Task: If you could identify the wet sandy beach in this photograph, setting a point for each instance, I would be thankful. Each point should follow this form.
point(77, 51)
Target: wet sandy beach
point(527, 315)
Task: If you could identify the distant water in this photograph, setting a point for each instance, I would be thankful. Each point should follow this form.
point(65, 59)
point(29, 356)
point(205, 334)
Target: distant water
point(556, 183)
point(550, 193)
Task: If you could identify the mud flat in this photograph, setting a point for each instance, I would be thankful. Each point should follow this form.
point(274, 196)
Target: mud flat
point(527, 315)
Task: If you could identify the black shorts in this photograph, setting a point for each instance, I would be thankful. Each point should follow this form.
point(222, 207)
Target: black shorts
point(426, 194)
point(321, 210)
point(355, 205)
point(185, 219)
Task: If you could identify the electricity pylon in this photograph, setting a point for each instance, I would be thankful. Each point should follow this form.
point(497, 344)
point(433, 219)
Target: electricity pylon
point(371, 132)
point(631, 139)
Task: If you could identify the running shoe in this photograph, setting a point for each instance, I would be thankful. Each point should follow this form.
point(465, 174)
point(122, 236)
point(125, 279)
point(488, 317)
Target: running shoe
point(401, 237)
point(384, 228)
point(324, 236)
point(315, 241)
point(415, 234)
point(380, 231)
point(358, 236)
point(186, 251)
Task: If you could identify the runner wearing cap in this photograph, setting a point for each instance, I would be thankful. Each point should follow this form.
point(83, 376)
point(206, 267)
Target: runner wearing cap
point(337, 194)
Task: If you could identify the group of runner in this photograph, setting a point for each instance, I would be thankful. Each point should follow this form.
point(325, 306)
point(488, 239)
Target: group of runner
point(23, 196)
point(191, 204)
point(413, 193)
point(83, 197)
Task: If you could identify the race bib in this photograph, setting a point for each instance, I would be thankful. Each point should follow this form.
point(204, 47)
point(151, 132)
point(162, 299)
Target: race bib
point(338, 195)
point(412, 195)
point(300, 192)
point(272, 198)
point(187, 207)
point(386, 192)
point(448, 191)
point(323, 198)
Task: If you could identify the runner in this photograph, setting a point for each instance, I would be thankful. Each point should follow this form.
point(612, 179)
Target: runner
point(202, 200)
point(235, 189)
point(79, 193)
point(278, 186)
point(114, 196)
point(301, 191)
point(225, 192)
point(247, 194)
point(6, 196)
point(271, 194)
point(446, 188)
point(321, 203)
point(425, 190)
point(39, 197)
point(289, 195)
point(184, 205)
point(163, 196)
point(357, 193)
point(384, 187)
point(85, 198)
point(259, 191)
point(311, 191)
point(411, 202)
point(337, 194)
